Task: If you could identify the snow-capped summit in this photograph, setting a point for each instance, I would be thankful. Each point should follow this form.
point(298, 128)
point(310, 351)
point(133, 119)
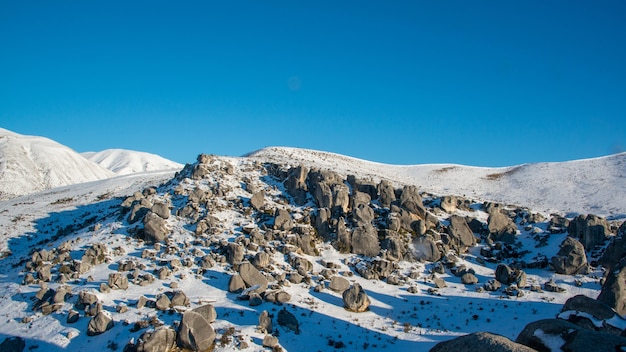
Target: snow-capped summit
point(30, 164)
point(124, 162)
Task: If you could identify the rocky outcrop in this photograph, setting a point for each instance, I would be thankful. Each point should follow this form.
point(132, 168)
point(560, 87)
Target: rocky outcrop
point(296, 184)
point(571, 258)
point(257, 201)
point(386, 193)
point(253, 277)
point(616, 250)
point(481, 341)
point(426, 249)
point(590, 230)
point(411, 200)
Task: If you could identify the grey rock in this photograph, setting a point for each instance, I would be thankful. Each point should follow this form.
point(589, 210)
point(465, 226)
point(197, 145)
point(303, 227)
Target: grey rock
point(386, 193)
point(296, 184)
point(288, 320)
point(254, 299)
point(253, 277)
point(449, 204)
point(355, 299)
point(571, 258)
point(270, 341)
point(439, 282)
point(257, 201)
point(426, 249)
point(362, 214)
point(613, 291)
point(265, 322)
point(118, 281)
point(207, 311)
point(365, 241)
point(162, 339)
point(72, 316)
point(394, 248)
point(501, 227)
point(492, 285)
point(480, 341)
point(161, 209)
point(573, 336)
point(339, 284)
point(583, 304)
point(179, 299)
point(137, 212)
point(194, 332)
point(234, 253)
point(155, 228)
point(163, 302)
point(99, 323)
point(461, 235)
point(261, 260)
point(283, 221)
point(411, 200)
point(469, 279)
point(590, 230)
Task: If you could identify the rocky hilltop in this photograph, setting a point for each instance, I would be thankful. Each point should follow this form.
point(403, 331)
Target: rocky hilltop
point(261, 253)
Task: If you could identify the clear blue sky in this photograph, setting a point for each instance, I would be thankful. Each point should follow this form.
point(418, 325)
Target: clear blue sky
point(473, 82)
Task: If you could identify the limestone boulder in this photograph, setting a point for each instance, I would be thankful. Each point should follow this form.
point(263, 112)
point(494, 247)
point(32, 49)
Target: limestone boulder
point(194, 332)
point(355, 299)
point(162, 339)
point(481, 341)
point(365, 241)
point(571, 258)
point(100, 323)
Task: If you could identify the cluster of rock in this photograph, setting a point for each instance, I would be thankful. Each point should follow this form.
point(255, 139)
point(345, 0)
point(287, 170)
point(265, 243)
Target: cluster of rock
point(380, 224)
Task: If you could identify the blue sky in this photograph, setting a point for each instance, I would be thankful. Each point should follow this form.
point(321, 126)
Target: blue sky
point(488, 83)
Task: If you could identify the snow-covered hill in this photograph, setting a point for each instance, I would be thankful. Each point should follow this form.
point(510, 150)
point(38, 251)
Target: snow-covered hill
point(124, 162)
point(74, 256)
point(585, 186)
point(29, 164)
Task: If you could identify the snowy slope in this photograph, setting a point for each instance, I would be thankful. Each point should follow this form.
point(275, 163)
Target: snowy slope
point(30, 164)
point(397, 319)
point(124, 162)
point(595, 186)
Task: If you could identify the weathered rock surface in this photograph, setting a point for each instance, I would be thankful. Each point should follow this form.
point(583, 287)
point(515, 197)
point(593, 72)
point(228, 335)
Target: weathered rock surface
point(571, 258)
point(461, 235)
point(207, 311)
point(355, 299)
point(426, 249)
point(194, 332)
point(162, 339)
point(339, 284)
point(501, 227)
point(544, 335)
point(257, 201)
point(590, 230)
point(253, 277)
point(155, 228)
point(288, 320)
point(265, 322)
point(100, 323)
point(365, 241)
point(481, 341)
point(613, 291)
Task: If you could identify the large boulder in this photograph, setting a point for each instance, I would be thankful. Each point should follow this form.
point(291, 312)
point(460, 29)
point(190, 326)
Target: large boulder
point(253, 277)
point(590, 229)
point(481, 341)
point(365, 241)
point(411, 200)
point(386, 193)
point(265, 323)
point(257, 201)
point(614, 289)
point(460, 233)
point(507, 275)
point(282, 220)
point(501, 227)
point(194, 332)
point(426, 249)
point(288, 320)
point(616, 250)
point(561, 335)
point(571, 258)
point(162, 339)
point(296, 184)
point(155, 228)
point(339, 284)
point(118, 281)
point(207, 311)
point(161, 209)
point(234, 253)
point(355, 299)
point(100, 323)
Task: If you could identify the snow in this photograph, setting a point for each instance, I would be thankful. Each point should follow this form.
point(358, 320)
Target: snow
point(396, 321)
point(589, 186)
point(553, 342)
point(123, 162)
point(29, 164)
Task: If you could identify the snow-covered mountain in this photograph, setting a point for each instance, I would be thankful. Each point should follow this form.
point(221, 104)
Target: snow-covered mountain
point(124, 162)
point(584, 186)
point(29, 164)
point(254, 252)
